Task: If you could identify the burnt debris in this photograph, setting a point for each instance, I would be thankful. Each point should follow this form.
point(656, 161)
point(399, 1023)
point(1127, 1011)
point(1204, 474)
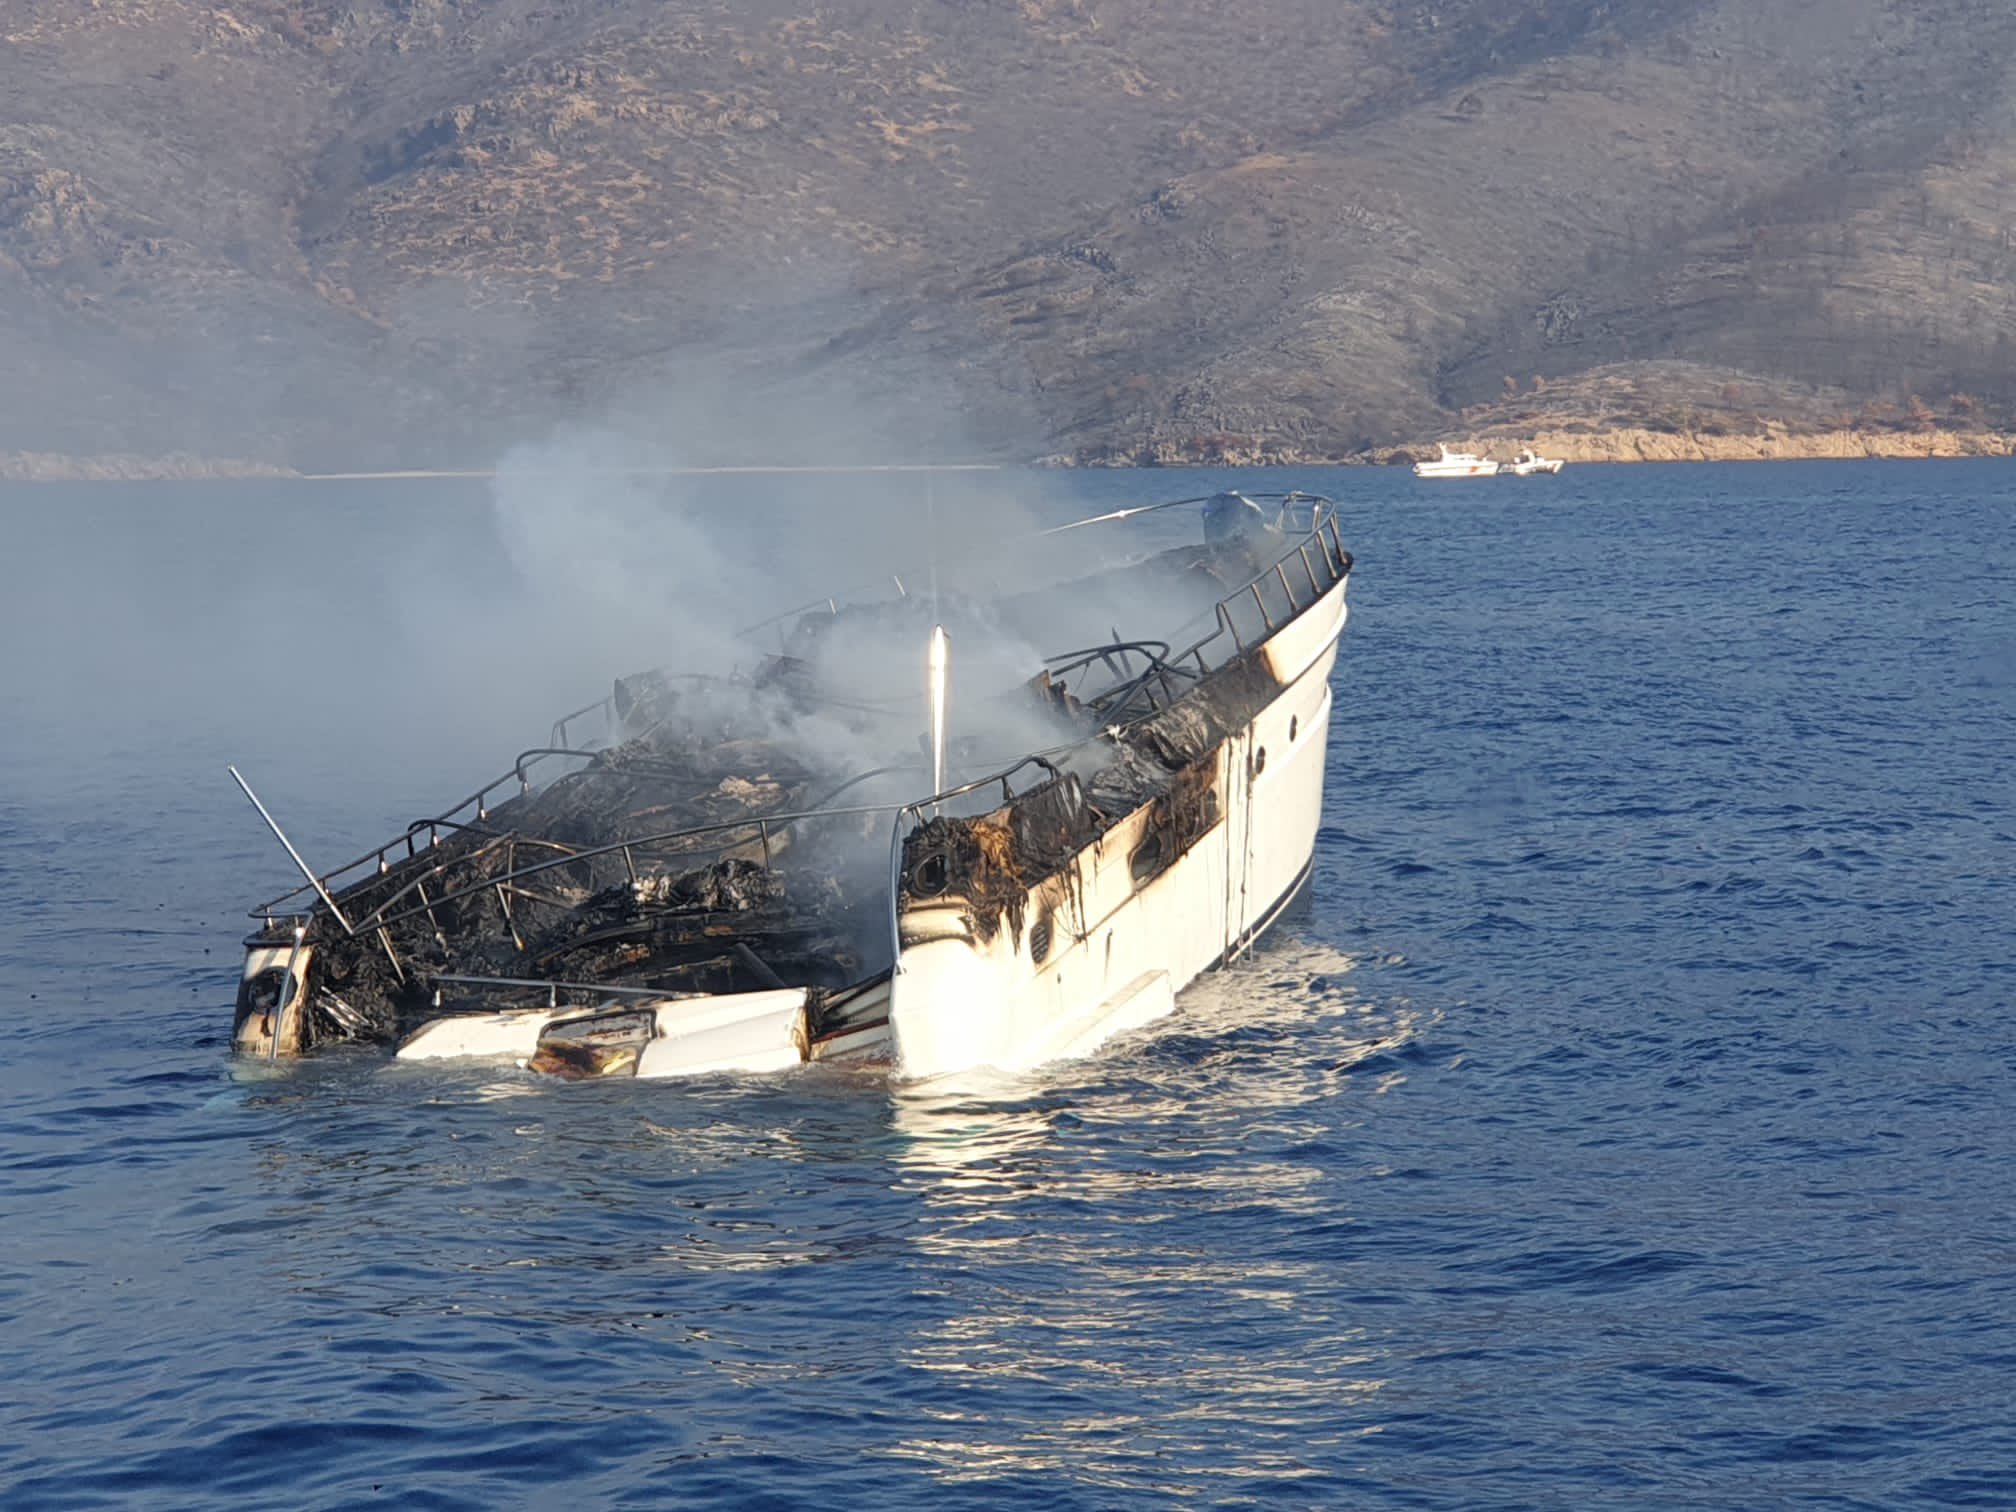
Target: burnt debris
point(1168, 762)
point(654, 864)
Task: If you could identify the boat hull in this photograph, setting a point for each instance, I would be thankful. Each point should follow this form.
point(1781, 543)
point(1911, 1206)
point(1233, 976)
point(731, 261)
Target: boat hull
point(1107, 948)
point(750, 935)
point(749, 1033)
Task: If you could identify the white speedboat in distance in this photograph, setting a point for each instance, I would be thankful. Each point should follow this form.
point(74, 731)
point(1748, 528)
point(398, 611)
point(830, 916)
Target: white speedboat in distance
point(715, 885)
point(1456, 465)
point(1529, 462)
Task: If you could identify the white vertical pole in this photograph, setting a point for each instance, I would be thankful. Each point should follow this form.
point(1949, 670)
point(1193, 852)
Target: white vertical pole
point(937, 665)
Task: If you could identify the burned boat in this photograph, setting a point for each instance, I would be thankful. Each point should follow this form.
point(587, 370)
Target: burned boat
point(751, 870)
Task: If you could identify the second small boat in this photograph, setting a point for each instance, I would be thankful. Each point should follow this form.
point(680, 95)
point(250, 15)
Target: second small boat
point(1529, 462)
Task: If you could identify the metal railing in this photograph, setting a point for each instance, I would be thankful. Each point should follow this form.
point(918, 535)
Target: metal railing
point(762, 830)
point(1320, 534)
point(830, 602)
point(380, 859)
point(1173, 673)
point(897, 836)
point(554, 988)
point(1127, 703)
point(605, 705)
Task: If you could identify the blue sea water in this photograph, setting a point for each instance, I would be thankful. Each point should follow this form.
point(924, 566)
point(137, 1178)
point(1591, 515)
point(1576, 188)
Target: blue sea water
point(1625, 1120)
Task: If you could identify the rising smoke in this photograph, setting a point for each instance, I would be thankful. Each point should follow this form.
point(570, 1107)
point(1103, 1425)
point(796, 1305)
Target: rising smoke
point(624, 562)
point(373, 650)
point(621, 561)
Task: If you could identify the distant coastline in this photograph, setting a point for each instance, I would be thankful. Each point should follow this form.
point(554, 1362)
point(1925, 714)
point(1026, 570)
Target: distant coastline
point(1773, 444)
point(56, 467)
point(120, 467)
point(1622, 443)
point(1609, 444)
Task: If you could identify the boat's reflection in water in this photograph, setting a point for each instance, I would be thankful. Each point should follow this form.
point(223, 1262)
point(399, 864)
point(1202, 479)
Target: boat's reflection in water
point(1150, 1279)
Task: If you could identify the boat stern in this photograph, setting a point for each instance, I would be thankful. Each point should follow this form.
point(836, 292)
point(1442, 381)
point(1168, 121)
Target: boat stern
point(269, 1020)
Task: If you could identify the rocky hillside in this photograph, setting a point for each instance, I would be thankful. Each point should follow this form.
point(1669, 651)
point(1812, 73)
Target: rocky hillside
point(347, 232)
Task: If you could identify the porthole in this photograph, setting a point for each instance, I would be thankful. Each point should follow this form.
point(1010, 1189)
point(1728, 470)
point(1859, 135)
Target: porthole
point(1147, 857)
point(929, 876)
point(261, 993)
point(1294, 725)
point(1259, 760)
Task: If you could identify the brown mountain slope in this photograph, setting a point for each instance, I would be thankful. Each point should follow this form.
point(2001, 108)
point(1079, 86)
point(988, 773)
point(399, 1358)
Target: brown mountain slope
point(408, 230)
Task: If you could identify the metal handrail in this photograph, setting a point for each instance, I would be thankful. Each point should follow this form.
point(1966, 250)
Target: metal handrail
point(1322, 533)
point(1071, 661)
point(479, 799)
point(763, 824)
point(606, 703)
point(1322, 517)
point(444, 820)
point(1284, 501)
point(936, 800)
point(830, 601)
point(540, 752)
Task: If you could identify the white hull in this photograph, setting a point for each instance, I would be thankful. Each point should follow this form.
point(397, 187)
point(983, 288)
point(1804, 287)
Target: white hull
point(1119, 950)
point(749, 1032)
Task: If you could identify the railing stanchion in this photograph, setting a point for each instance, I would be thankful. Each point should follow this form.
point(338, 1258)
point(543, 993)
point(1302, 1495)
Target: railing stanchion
point(896, 893)
point(385, 939)
point(509, 922)
point(440, 938)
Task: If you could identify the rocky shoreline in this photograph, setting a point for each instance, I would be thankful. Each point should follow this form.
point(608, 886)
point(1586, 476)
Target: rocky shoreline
point(1773, 444)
